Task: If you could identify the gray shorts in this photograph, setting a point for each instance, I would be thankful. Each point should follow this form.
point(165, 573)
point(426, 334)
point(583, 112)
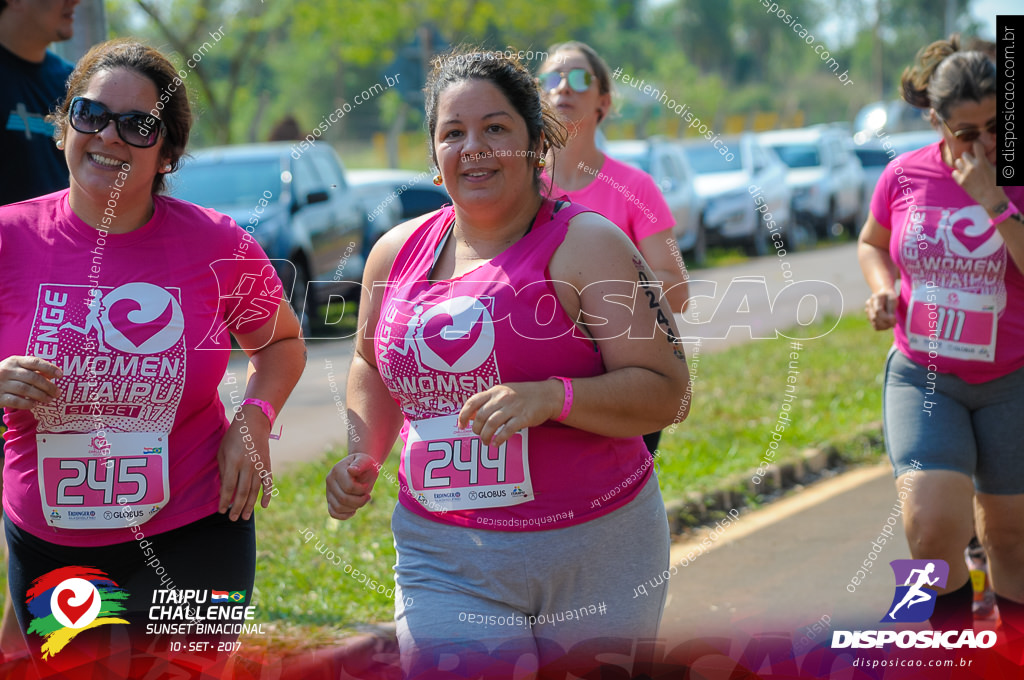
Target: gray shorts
point(944, 423)
point(492, 600)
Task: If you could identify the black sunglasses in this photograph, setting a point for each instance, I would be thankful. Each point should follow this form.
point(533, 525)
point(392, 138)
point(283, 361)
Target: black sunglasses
point(136, 129)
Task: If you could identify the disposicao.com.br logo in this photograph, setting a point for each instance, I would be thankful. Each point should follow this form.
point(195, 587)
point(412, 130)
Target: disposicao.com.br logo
point(69, 600)
point(913, 602)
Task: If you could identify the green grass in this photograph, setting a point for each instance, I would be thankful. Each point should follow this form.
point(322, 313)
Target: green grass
point(306, 601)
point(738, 395)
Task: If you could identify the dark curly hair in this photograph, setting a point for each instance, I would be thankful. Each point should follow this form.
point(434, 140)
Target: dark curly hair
point(504, 71)
point(944, 75)
point(131, 55)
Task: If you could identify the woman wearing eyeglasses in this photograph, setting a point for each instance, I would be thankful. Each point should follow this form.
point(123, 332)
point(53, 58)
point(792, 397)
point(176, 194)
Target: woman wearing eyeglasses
point(578, 85)
point(115, 311)
point(954, 385)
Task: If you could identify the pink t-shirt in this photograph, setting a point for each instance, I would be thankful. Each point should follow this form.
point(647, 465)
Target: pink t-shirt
point(627, 196)
point(138, 323)
point(961, 307)
point(437, 344)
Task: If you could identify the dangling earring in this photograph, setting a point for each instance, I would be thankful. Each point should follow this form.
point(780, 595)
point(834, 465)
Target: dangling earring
point(60, 144)
point(438, 180)
point(541, 162)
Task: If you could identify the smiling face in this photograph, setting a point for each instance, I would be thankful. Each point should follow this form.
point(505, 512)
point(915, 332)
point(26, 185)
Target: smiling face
point(971, 115)
point(581, 111)
point(482, 147)
point(95, 160)
point(48, 20)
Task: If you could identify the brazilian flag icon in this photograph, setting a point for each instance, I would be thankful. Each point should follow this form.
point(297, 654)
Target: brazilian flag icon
point(237, 596)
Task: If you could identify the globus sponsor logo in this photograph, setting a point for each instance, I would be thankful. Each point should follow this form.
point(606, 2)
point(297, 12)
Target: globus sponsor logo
point(916, 639)
point(499, 493)
point(122, 514)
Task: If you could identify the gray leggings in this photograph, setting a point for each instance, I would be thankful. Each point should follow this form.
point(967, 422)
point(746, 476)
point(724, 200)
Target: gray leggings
point(490, 600)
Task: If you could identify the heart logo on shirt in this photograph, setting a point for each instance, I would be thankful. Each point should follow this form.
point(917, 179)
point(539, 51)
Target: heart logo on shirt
point(121, 316)
point(971, 234)
point(140, 318)
point(449, 339)
point(454, 336)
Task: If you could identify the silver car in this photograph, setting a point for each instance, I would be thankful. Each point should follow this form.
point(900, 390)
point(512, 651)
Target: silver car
point(742, 185)
point(667, 165)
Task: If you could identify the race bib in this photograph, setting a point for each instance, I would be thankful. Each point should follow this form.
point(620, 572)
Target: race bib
point(97, 481)
point(448, 468)
point(952, 323)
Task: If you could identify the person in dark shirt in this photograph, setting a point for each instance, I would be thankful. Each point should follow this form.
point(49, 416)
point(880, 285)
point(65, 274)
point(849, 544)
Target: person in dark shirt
point(32, 80)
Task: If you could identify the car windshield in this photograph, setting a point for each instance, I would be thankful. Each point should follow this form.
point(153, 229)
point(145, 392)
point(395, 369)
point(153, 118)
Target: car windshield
point(707, 159)
point(637, 160)
point(798, 155)
point(872, 158)
point(228, 183)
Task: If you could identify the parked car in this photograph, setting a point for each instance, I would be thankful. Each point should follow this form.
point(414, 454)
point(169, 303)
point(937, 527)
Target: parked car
point(665, 162)
point(895, 116)
point(393, 196)
point(826, 178)
point(875, 153)
point(298, 206)
point(733, 180)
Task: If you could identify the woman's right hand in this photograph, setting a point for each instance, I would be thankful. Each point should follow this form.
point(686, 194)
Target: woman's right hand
point(26, 382)
point(349, 484)
point(881, 309)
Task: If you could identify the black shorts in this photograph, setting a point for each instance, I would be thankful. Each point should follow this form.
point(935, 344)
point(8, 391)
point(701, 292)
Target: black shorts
point(210, 554)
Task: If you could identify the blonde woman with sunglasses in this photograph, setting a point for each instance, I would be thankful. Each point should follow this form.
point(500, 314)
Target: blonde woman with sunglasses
point(578, 85)
point(954, 384)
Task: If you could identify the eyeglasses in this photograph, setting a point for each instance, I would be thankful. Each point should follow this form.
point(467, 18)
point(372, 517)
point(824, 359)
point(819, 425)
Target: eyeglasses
point(136, 129)
point(579, 79)
point(971, 134)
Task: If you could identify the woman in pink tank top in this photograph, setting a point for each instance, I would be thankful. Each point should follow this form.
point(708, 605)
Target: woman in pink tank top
point(517, 346)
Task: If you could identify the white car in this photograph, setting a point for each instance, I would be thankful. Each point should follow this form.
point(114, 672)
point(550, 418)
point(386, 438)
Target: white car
point(667, 165)
point(825, 175)
point(734, 180)
point(876, 152)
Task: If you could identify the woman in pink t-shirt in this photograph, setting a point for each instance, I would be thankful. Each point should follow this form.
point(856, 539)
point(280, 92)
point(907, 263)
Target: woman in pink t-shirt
point(954, 388)
point(126, 485)
point(578, 85)
point(528, 510)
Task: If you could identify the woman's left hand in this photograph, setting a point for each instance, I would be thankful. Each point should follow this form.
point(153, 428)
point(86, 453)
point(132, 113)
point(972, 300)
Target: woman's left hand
point(501, 411)
point(244, 462)
point(977, 176)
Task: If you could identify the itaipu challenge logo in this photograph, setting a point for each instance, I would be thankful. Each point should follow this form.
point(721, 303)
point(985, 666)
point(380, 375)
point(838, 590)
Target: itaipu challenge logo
point(69, 600)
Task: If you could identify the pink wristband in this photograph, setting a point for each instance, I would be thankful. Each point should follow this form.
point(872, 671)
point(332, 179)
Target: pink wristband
point(265, 406)
point(567, 399)
point(1010, 211)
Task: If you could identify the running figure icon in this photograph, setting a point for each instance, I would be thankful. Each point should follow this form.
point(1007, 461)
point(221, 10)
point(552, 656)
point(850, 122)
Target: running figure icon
point(916, 595)
point(92, 319)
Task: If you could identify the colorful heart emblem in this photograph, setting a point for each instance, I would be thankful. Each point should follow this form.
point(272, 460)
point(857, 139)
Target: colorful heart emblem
point(74, 612)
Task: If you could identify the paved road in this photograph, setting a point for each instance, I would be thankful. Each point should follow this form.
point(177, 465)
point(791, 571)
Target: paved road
point(730, 309)
point(789, 564)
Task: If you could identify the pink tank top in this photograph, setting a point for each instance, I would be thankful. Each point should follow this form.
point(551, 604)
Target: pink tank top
point(438, 343)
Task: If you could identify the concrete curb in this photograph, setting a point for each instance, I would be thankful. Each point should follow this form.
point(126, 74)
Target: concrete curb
point(740, 491)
